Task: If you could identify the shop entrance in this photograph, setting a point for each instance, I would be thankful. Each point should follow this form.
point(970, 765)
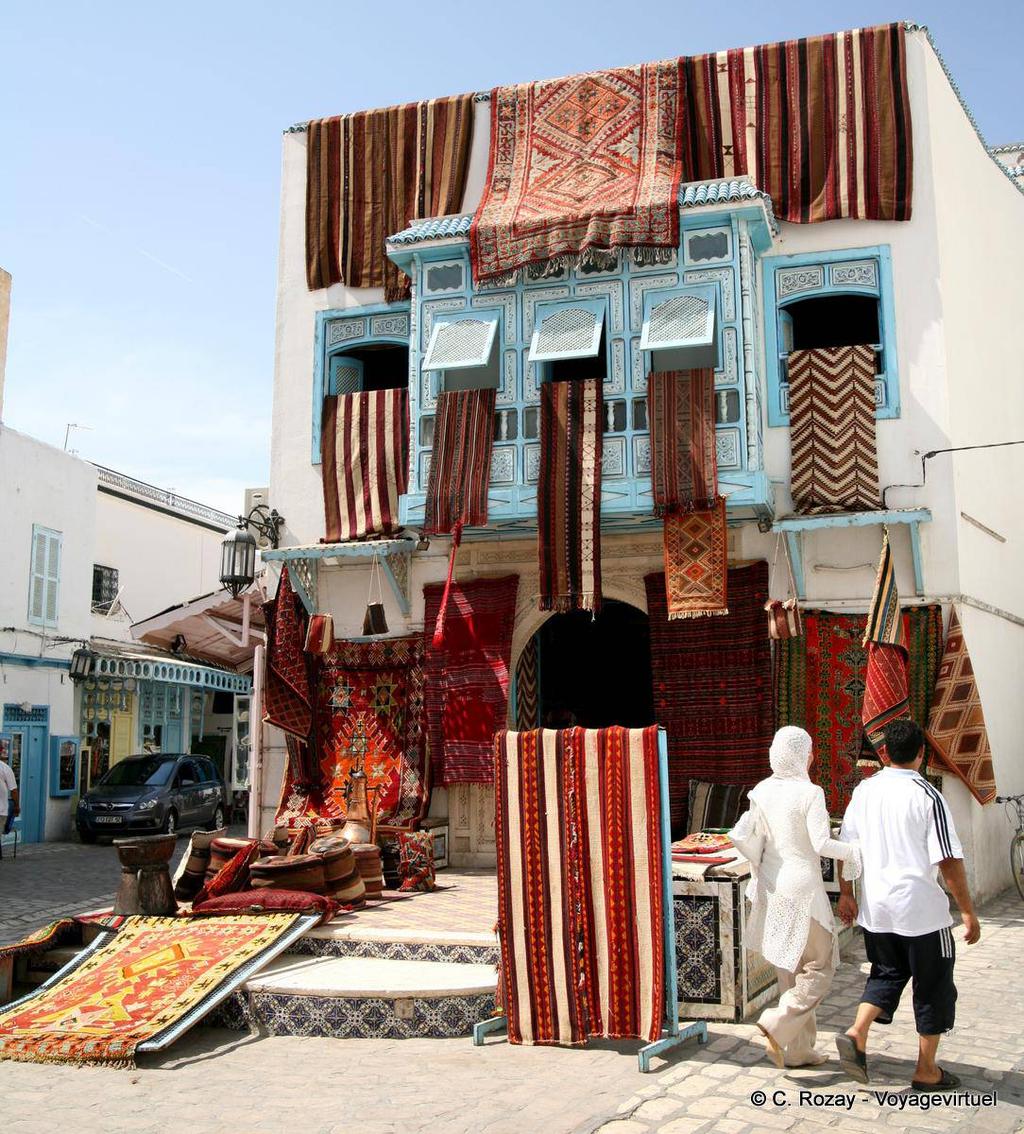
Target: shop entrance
point(587, 671)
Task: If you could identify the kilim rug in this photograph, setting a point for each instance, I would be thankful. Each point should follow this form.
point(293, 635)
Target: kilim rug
point(681, 413)
point(956, 724)
point(369, 717)
point(696, 562)
point(580, 907)
point(820, 681)
point(528, 688)
point(368, 174)
point(832, 429)
point(712, 688)
point(460, 473)
point(467, 676)
point(287, 702)
point(49, 937)
point(569, 495)
point(886, 691)
point(822, 124)
point(579, 166)
point(143, 988)
point(364, 445)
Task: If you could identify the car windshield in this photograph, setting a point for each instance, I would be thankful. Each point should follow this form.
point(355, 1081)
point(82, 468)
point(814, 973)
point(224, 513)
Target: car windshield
point(152, 771)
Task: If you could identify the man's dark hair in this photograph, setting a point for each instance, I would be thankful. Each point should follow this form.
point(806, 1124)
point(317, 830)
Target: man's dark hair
point(903, 741)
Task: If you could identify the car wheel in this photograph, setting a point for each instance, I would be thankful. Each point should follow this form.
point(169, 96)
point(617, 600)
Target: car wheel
point(171, 823)
point(218, 819)
point(86, 836)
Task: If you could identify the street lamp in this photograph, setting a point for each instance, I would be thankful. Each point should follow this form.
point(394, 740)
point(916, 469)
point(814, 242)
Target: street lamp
point(82, 663)
point(238, 548)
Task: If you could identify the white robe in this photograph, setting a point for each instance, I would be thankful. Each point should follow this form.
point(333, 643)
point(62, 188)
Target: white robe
point(784, 834)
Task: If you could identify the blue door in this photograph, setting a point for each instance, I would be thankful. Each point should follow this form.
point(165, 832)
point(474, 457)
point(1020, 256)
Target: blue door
point(27, 734)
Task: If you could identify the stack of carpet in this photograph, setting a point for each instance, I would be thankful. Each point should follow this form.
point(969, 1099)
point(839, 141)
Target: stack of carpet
point(368, 861)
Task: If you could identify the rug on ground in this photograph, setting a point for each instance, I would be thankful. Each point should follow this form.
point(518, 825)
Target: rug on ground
point(141, 989)
point(956, 723)
point(579, 166)
point(368, 174)
point(569, 495)
point(364, 448)
point(820, 679)
point(821, 124)
point(712, 687)
point(369, 717)
point(832, 429)
point(467, 676)
point(39, 940)
point(580, 907)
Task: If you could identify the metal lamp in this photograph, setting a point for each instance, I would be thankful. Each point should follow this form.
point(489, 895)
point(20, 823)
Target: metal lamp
point(238, 560)
point(82, 663)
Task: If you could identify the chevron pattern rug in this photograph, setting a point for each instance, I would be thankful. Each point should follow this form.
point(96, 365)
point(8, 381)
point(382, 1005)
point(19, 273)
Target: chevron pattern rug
point(832, 429)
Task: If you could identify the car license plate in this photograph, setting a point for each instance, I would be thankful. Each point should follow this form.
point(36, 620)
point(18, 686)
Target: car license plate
point(108, 818)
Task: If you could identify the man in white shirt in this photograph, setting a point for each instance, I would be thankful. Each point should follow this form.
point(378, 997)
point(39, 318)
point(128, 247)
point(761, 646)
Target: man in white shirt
point(906, 836)
point(8, 790)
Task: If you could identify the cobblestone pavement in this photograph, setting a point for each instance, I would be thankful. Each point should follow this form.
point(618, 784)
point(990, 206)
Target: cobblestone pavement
point(219, 1082)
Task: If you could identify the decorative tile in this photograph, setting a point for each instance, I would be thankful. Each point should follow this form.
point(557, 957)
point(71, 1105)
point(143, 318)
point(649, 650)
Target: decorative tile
point(345, 330)
point(729, 356)
point(698, 946)
point(789, 281)
point(721, 276)
point(642, 456)
point(615, 383)
point(637, 369)
point(727, 448)
point(531, 455)
point(396, 324)
point(860, 273)
point(399, 950)
point(613, 456)
point(613, 290)
point(637, 287)
point(507, 393)
point(503, 465)
point(507, 302)
point(430, 309)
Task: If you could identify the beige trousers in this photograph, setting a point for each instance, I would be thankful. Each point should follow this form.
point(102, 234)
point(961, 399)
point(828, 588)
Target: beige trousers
point(791, 1022)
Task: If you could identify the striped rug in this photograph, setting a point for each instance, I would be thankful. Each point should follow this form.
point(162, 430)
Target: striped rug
point(832, 429)
point(821, 124)
point(368, 174)
point(580, 907)
point(365, 462)
point(569, 495)
point(681, 412)
point(886, 688)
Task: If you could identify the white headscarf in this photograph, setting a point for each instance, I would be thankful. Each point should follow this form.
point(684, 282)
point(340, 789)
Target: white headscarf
point(790, 753)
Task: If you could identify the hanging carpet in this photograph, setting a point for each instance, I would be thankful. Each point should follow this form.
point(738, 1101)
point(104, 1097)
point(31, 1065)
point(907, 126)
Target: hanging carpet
point(287, 701)
point(696, 562)
point(820, 679)
point(579, 166)
point(681, 413)
point(142, 988)
point(956, 723)
point(569, 495)
point(712, 687)
point(580, 907)
point(832, 429)
point(460, 474)
point(467, 676)
point(886, 690)
point(369, 717)
point(821, 124)
point(364, 446)
point(528, 687)
point(368, 174)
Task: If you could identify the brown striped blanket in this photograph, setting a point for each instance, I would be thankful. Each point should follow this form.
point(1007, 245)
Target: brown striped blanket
point(364, 450)
point(832, 429)
point(368, 174)
point(821, 124)
point(580, 874)
point(460, 464)
point(569, 495)
point(684, 468)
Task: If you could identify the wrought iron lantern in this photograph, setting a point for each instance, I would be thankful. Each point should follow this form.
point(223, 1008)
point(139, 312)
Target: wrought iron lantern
point(82, 662)
point(238, 548)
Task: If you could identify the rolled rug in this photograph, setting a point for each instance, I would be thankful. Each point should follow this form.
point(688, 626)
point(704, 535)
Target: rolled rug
point(222, 850)
point(368, 859)
point(289, 872)
point(339, 861)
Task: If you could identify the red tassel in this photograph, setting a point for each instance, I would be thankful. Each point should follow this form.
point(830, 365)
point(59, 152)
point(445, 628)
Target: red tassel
point(439, 624)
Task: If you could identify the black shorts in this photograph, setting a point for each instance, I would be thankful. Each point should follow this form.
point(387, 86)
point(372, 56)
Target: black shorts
point(928, 961)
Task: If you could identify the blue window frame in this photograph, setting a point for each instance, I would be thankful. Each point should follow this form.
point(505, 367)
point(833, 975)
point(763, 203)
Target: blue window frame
point(44, 577)
point(789, 280)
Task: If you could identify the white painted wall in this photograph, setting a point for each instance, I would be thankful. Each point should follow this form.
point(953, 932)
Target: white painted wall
point(161, 560)
point(43, 485)
point(954, 278)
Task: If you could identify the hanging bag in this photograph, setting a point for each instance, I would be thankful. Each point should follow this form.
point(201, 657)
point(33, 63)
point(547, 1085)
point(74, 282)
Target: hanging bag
point(784, 614)
point(374, 621)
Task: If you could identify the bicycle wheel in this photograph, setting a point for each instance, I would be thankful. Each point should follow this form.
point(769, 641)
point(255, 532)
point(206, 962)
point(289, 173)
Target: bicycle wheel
point(1017, 861)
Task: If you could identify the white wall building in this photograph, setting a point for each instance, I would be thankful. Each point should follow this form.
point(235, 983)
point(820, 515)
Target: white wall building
point(950, 307)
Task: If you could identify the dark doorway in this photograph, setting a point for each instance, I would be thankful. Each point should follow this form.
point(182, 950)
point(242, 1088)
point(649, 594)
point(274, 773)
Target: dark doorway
point(596, 672)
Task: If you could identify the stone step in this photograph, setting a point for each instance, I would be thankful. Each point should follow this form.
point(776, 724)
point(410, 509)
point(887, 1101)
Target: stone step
point(363, 997)
point(352, 938)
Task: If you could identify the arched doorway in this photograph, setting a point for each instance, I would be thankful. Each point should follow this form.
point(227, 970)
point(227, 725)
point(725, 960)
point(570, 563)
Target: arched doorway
point(594, 672)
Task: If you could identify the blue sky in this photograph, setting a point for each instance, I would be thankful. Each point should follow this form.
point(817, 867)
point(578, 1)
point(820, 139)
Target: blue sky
point(139, 195)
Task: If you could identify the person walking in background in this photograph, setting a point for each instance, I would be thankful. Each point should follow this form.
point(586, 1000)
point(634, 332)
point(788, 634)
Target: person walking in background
point(906, 834)
point(10, 806)
point(784, 834)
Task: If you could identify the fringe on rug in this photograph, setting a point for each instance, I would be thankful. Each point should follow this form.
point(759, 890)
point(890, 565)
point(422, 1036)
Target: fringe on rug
point(646, 256)
point(696, 614)
point(566, 604)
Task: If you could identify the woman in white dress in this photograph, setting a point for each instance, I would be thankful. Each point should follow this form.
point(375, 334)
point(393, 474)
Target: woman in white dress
point(784, 834)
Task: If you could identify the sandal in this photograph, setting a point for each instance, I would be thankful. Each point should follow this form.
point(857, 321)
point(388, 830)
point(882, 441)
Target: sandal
point(948, 1082)
point(852, 1060)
